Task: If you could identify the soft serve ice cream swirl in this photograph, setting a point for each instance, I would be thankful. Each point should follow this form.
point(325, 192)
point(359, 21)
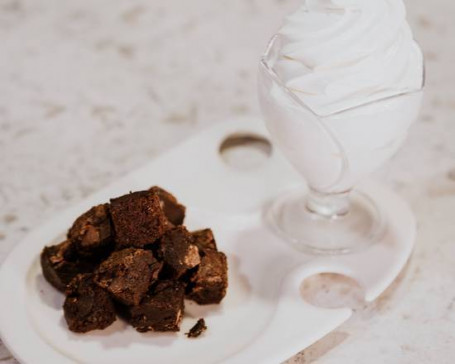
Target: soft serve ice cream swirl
point(338, 54)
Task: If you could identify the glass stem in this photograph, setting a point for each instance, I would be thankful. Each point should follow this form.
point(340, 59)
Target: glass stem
point(328, 205)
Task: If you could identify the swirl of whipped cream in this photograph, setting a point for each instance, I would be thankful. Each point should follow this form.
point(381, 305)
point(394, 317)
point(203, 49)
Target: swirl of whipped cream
point(338, 54)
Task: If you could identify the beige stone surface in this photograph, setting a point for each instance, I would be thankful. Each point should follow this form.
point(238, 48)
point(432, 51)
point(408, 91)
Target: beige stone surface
point(90, 90)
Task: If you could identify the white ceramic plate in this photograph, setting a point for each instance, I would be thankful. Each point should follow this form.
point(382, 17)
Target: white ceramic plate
point(263, 318)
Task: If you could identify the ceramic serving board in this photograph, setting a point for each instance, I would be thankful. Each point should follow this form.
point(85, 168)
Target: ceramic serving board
point(263, 319)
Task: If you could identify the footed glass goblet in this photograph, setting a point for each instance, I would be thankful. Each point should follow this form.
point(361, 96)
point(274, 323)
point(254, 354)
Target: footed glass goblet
point(332, 152)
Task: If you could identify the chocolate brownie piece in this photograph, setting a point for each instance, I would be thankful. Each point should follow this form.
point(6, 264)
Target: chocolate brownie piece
point(174, 211)
point(92, 233)
point(138, 219)
point(160, 310)
point(127, 274)
point(197, 329)
point(204, 240)
point(178, 252)
point(60, 264)
point(87, 307)
point(209, 283)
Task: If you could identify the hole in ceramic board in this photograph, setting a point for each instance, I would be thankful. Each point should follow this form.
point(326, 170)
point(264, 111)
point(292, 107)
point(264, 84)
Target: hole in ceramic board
point(451, 174)
point(329, 290)
point(245, 151)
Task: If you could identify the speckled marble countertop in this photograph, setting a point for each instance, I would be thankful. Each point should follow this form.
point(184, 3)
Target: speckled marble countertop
point(90, 90)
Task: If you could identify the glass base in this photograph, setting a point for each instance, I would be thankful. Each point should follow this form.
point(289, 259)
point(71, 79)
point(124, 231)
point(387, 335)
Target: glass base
point(361, 226)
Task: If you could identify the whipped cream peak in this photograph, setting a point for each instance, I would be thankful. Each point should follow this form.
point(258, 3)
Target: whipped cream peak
point(338, 54)
point(327, 5)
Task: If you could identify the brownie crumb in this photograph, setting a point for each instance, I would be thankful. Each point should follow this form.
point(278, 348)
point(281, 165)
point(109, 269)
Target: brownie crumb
point(127, 274)
point(92, 233)
point(87, 307)
point(174, 211)
point(138, 219)
point(197, 329)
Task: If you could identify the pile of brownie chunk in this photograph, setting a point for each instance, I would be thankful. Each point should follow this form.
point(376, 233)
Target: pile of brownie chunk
point(133, 258)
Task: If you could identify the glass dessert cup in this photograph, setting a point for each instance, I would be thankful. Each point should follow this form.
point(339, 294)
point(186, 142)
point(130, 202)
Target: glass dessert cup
point(332, 152)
